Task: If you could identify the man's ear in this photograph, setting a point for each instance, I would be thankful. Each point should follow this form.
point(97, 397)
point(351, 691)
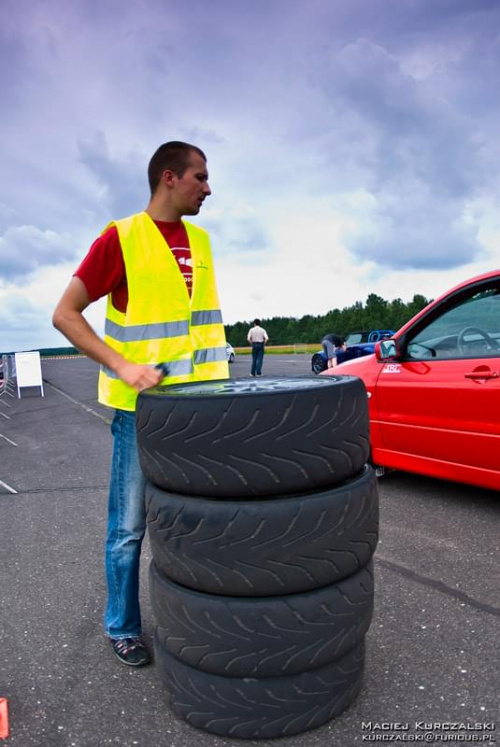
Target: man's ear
point(168, 177)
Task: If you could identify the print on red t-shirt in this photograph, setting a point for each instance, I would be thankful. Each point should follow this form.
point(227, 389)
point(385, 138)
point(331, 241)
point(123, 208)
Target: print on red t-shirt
point(103, 270)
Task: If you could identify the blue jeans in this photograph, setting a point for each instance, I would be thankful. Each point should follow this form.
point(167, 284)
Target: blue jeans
point(257, 358)
point(126, 529)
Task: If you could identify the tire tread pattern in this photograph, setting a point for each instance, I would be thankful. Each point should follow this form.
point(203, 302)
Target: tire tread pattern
point(266, 547)
point(262, 636)
point(268, 443)
point(250, 708)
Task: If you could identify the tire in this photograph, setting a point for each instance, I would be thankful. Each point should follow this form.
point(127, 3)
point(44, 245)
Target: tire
point(262, 636)
point(240, 438)
point(231, 358)
point(250, 708)
point(270, 547)
point(318, 363)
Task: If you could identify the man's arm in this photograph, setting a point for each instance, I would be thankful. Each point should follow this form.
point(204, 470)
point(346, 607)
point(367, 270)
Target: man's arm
point(68, 318)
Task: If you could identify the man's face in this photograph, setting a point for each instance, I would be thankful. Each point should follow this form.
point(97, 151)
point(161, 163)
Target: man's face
point(192, 187)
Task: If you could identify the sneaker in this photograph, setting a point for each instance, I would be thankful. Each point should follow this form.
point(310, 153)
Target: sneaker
point(131, 651)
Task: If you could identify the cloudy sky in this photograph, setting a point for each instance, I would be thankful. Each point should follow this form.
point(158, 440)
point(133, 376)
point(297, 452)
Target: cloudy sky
point(353, 145)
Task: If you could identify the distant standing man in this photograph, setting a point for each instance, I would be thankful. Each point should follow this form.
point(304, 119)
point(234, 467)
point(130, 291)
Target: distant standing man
point(257, 337)
point(157, 273)
point(331, 345)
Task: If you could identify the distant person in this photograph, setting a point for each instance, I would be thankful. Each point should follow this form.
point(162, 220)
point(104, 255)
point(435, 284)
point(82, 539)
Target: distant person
point(257, 337)
point(157, 272)
point(332, 344)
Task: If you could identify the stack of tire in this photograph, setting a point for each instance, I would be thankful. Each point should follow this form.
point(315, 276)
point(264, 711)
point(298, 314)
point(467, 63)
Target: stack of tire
point(263, 519)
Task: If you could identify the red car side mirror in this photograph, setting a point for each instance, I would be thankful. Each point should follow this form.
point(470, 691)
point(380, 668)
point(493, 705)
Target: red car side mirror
point(386, 350)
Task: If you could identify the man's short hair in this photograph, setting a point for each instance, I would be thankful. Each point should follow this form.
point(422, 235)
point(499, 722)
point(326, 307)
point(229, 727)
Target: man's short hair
point(257, 321)
point(173, 155)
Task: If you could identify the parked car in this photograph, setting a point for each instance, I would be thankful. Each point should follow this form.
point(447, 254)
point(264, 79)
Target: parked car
point(434, 388)
point(229, 352)
point(357, 344)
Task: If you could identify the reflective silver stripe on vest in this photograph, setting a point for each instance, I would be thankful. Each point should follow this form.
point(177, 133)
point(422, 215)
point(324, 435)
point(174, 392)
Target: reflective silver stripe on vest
point(210, 355)
point(139, 332)
point(176, 368)
point(206, 317)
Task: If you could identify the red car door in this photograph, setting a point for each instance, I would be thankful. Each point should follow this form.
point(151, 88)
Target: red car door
point(439, 403)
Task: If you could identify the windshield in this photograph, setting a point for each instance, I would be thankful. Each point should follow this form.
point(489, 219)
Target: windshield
point(354, 337)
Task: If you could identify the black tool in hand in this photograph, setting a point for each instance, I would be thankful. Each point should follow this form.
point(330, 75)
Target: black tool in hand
point(164, 368)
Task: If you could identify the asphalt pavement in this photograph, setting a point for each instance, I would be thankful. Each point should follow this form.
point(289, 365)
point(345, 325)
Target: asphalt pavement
point(432, 667)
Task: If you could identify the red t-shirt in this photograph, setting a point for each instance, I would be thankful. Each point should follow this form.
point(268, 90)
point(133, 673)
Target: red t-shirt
point(103, 269)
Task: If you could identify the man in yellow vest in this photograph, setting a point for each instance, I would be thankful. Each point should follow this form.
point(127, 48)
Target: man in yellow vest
point(157, 273)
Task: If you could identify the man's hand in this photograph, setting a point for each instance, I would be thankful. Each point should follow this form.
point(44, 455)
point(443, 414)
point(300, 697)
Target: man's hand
point(139, 376)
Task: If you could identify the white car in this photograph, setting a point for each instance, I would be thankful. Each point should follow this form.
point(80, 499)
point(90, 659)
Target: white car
point(229, 352)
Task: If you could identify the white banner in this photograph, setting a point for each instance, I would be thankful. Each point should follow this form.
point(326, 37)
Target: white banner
point(28, 371)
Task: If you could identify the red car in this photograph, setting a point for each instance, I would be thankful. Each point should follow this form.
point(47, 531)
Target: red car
point(434, 388)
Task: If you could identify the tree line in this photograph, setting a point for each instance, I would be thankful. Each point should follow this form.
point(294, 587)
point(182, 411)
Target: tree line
point(375, 313)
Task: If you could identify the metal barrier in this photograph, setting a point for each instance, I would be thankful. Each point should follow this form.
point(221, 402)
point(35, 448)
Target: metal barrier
point(7, 372)
point(4, 374)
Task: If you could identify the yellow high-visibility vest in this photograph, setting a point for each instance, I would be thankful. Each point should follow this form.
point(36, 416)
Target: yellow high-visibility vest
point(162, 324)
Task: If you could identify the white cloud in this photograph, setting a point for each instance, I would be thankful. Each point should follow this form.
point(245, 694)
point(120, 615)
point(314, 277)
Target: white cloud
point(351, 146)
point(25, 249)
point(26, 313)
